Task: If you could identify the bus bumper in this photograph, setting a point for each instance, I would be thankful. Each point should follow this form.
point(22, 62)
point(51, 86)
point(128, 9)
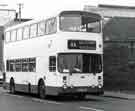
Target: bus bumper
point(75, 90)
point(67, 91)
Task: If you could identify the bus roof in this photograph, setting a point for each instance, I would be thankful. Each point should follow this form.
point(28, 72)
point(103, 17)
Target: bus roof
point(83, 13)
point(27, 23)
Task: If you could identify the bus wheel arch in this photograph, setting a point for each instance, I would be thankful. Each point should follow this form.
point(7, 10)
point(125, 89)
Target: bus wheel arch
point(41, 89)
point(12, 85)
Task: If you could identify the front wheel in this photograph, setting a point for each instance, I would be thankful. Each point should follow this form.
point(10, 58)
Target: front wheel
point(12, 87)
point(41, 90)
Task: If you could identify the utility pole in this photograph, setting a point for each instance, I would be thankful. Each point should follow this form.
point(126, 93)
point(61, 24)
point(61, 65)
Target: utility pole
point(20, 10)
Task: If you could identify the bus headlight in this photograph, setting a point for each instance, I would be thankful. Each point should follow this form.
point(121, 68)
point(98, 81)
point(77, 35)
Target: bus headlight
point(99, 80)
point(65, 82)
point(100, 86)
point(64, 79)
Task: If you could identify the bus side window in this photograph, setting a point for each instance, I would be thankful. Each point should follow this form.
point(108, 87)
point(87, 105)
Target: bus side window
point(7, 65)
point(32, 64)
point(52, 63)
point(25, 65)
point(18, 65)
point(8, 36)
point(41, 28)
point(33, 30)
point(19, 34)
point(13, 35)
point(26, 32)
point(51, 26)
point(12, 66)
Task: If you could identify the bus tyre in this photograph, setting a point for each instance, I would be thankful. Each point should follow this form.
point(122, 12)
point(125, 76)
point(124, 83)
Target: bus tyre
point(41, 90)
point(29, 88)
point(12, 87)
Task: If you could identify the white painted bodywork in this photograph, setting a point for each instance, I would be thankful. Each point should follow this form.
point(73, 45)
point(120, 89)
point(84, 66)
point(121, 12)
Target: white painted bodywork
point(50, 45)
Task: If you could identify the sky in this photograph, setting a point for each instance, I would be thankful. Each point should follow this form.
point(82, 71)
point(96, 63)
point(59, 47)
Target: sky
point(42, 8)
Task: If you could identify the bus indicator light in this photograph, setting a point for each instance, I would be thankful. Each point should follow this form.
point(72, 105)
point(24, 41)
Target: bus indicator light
point(64, 79)
point(100, 46)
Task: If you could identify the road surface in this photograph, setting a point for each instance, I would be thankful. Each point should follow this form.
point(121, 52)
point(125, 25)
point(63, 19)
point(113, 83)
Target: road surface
point(26, 102)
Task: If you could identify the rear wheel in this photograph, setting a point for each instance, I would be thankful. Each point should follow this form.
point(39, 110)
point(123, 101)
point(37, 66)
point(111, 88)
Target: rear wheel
point(12, 86)
point(29, 88)
point(41, 90)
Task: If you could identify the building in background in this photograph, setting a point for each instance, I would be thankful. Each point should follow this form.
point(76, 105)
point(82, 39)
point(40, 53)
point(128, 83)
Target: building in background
point(8, 17)
point(119, 45)
point(109, 11)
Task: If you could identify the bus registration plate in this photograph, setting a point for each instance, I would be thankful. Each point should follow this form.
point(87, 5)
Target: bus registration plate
point(82, 90)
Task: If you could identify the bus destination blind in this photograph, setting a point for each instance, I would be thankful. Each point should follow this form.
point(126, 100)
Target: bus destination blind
point(82, 44)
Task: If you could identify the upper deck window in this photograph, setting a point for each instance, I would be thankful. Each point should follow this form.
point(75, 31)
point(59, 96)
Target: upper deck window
point(13, 35)
point(51, 26)
point(33, 30)
point(80, 22)
point(7, 36)
point(41, 28)
point(26, 32)
point(19, 34)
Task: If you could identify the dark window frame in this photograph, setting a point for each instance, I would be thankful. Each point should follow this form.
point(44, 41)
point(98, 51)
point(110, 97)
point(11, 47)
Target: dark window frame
point(52, 63)
point(21, 65)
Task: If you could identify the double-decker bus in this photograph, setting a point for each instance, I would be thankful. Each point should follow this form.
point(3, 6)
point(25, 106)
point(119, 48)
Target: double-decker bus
point(59, 55)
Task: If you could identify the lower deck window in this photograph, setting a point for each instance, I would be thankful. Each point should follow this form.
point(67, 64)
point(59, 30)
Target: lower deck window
point(21, 65)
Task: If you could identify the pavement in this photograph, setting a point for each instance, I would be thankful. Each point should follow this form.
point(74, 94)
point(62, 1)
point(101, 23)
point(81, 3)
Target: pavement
point(120, 95)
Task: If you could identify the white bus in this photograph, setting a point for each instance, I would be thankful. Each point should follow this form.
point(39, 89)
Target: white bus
point(59, 55)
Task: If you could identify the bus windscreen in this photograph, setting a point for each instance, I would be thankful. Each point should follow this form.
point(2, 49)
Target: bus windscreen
point(79, 63)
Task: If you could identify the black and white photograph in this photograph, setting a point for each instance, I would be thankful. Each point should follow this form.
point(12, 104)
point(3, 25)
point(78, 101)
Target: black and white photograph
point(67, 55)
